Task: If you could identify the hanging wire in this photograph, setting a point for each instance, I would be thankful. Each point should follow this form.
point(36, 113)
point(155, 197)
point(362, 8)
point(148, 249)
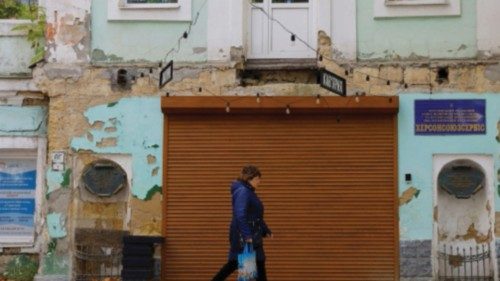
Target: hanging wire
point(324, 57)
point(294, 37)
point(185, 35)
point(287, 106)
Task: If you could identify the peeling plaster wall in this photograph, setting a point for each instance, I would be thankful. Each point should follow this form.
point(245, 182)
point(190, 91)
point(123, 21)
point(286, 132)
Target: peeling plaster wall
point(133, 126)
point(418, 215)
point(416, 38)
point(463, 75)
point(119, 41)
point(68, 31)
point(56, 225)
point(415, 157)
point(102, 119)
point(464, 222)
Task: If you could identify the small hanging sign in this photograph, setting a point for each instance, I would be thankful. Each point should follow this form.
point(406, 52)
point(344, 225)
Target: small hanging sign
point(332, 82)
point(166, 74)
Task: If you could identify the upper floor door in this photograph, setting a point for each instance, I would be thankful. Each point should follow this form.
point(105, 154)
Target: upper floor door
point(271, 22)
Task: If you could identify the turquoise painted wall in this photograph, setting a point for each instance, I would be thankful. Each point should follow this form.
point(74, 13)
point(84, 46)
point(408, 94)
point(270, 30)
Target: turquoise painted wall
point(415, 157)
point(136, 124)
point(416, 37)
point(23, 121)
point(146, 40)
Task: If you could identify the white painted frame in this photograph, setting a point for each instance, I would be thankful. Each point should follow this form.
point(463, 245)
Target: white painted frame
point(229, 19)
point(314, 13)
point(225, 19)
point(344, 29)
point(20, 147)
point(119, 10)
point(125, 5)
point(426, 8)
point(415, 2)
point(488, 41)
point(10, 87)
point(486, 161)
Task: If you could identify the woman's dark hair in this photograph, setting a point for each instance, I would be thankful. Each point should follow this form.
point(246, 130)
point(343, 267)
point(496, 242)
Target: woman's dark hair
point(249, 172)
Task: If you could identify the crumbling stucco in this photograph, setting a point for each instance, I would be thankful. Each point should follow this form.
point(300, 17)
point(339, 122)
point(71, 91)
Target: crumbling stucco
point(107, 142)
point(199, 50)
point(57, 179)
point(416, 75)
point(68, 31)
point(408, 195)
point(98, 215)
point(56, 225)
point(128, 116)
point(456, 260)
point(155, 171)
point(151, 159)
point(498, 131)
point(497, 224)
point(54, 71)
point(146, 220)
point(474, 234)
point(492, 73)
point(94, 113)
point(99, 55)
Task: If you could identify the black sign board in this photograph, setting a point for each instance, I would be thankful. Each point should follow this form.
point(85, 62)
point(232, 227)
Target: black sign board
point(166, 74)
point(332, 82)
point(461, 181)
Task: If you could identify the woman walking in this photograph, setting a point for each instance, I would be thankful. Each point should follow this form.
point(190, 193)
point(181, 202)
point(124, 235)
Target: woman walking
point(247, 224)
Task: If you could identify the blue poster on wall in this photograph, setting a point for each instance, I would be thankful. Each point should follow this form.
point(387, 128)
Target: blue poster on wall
point(450, 117)
point(17, 200)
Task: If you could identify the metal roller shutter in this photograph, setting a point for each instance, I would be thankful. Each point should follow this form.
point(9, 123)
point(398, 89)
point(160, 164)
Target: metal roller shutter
point(328, 188)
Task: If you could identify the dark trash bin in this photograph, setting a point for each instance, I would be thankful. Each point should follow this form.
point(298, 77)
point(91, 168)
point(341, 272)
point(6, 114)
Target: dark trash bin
point(138, 262)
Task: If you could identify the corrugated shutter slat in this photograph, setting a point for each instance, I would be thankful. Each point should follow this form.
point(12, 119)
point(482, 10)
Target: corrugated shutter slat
point(328, 188)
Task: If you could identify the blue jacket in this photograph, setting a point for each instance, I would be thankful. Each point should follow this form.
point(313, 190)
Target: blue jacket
point(248, 220)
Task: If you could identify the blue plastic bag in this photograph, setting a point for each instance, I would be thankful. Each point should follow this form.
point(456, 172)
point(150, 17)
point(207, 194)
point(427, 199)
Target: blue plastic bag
point(247, 264)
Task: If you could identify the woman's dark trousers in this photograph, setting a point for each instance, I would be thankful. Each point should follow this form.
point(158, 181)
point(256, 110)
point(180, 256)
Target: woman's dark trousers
point(231, 266)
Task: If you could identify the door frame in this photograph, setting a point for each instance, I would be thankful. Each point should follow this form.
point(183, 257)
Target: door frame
point(313, 13)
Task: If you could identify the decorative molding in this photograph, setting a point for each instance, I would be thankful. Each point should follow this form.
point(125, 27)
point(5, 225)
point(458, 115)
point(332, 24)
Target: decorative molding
point(123, 4)
point(415, 2)
point(418, 8)
point(17, 84)
point(120, 11)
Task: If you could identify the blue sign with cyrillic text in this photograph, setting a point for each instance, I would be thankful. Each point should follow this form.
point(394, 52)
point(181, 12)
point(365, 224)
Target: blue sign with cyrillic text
point(450, 117)
point(17, 200)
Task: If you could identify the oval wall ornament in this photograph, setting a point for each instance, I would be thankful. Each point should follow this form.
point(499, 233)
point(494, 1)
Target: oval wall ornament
point(462, 181)
point(104, 178)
